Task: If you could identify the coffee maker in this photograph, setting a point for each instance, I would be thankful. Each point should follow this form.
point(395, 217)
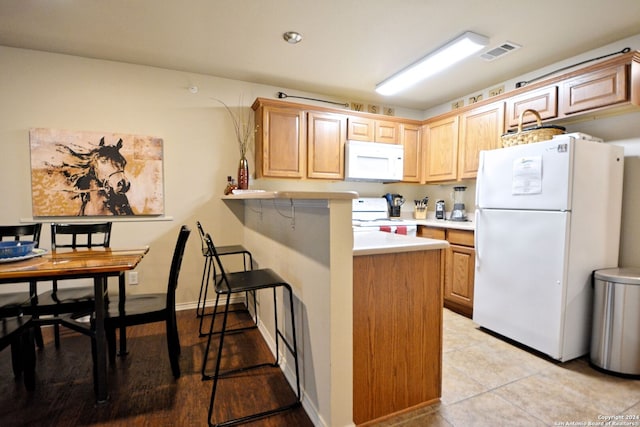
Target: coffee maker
point(395, 201)
point(458, 213)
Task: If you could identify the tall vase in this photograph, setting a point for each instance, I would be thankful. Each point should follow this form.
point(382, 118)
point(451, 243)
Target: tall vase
point(243, 174)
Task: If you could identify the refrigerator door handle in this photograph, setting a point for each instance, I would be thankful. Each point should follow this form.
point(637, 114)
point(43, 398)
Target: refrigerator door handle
point(479, 179)
point(475, 238)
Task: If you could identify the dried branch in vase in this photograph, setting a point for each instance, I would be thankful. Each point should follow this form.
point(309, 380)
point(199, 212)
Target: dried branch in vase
point(242, 125)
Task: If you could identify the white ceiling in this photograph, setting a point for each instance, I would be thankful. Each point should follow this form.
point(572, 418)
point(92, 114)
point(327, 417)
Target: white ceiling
point(349, 45)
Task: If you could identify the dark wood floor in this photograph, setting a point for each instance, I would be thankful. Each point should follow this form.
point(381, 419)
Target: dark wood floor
point(143, 391)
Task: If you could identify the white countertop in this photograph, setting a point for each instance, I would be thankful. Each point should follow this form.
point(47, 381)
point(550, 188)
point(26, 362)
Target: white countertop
point(379, 242)
point(431, 221)
point(442, 223)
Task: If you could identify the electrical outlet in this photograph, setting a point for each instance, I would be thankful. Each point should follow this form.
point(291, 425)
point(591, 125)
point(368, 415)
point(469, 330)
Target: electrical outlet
point(133, 277)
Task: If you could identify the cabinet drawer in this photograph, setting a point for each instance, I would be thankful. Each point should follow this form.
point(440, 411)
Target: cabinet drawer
point(460, 237)
point(431, 232)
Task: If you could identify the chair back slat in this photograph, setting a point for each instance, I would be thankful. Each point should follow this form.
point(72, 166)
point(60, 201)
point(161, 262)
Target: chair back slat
point(30, 232)
point(80, 235)
point(178, 254)
point(176, 264)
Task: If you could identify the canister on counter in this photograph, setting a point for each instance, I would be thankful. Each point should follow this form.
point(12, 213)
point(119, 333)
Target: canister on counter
point(440, 209)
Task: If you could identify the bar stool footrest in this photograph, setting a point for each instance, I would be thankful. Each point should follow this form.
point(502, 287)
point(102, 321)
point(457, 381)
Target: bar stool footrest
point(206, 377)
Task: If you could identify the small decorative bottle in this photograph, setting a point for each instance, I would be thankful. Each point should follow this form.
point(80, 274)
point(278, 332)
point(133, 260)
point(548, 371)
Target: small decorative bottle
point(231, 185)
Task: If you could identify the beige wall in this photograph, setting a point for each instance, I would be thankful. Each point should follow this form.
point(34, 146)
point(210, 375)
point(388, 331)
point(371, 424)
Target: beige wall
point(65, 92)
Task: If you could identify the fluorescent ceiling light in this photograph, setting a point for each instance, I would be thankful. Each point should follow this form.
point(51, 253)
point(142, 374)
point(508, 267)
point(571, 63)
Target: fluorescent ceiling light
point(454, 51)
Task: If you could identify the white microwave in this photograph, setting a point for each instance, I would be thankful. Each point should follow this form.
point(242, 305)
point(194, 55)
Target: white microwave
point(373, 161)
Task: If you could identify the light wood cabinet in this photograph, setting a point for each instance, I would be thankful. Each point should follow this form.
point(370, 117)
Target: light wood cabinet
point(459, 271)
point(453, 143)
point(597, 89)
point(280, 142)
point(440, 142)
point(432, 232)
point(361, 129)
point(410, 140)
point(397, 333)
point(480, 129)
point(372, 130)
point(387, 132)
point(326, 136)
point(543, 100)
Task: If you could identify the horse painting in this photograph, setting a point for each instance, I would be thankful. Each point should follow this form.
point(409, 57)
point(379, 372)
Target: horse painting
point(98, 178)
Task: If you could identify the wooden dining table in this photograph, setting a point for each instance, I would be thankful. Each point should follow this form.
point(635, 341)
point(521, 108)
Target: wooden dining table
point(95, 263)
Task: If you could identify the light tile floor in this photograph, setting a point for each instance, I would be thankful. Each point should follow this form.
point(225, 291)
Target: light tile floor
point(489, 382)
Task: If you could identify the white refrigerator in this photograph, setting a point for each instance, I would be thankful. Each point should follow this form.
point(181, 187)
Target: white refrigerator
point(547, 215)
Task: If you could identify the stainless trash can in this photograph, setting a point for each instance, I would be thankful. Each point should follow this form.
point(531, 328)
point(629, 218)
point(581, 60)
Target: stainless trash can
point(615, 335)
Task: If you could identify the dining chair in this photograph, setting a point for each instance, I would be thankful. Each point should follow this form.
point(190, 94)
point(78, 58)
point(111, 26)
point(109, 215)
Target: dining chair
point(210, 270)
point(227, 284)
point(17, 332)
point(149, 308)
point(61, 300)
point(11, 303)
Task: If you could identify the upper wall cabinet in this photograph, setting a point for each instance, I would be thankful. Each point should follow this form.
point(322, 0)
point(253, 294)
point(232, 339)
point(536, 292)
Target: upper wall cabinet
point(480, 129)
point(301, 141)
point(589, 91)
point(612, 85)
point(326, 135)
point(280, 142)
point(440, 142)
point(410, 140)
point(601, 88)
point(293, 142)
point(543, 100)
point(453, 144)
point(372, 130)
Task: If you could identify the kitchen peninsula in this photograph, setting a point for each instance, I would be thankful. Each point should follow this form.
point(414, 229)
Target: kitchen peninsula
point(342, 290)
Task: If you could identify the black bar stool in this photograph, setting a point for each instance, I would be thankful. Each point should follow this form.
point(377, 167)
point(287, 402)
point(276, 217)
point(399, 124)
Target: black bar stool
point(209, 266)
point(246, 281)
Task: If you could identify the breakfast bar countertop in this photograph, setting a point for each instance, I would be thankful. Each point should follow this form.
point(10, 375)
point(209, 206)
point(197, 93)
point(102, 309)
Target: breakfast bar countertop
point(380, 242)
point(309, 195)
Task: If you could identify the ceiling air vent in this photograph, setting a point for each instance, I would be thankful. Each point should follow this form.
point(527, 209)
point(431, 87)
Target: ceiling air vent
point(499, 51)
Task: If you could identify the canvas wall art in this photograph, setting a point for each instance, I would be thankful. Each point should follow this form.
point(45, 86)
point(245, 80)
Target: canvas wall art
point(95, 174)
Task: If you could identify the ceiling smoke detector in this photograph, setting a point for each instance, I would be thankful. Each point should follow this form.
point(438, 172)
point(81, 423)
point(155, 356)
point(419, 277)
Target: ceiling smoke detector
point(499, 51)
point(292, 37)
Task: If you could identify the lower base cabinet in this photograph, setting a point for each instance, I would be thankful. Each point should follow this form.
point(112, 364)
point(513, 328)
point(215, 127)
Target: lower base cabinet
point(397, 333)
point(458, 269)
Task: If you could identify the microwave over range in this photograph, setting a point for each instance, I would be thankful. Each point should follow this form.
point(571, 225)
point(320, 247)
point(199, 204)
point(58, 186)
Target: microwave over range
point(373, 161)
